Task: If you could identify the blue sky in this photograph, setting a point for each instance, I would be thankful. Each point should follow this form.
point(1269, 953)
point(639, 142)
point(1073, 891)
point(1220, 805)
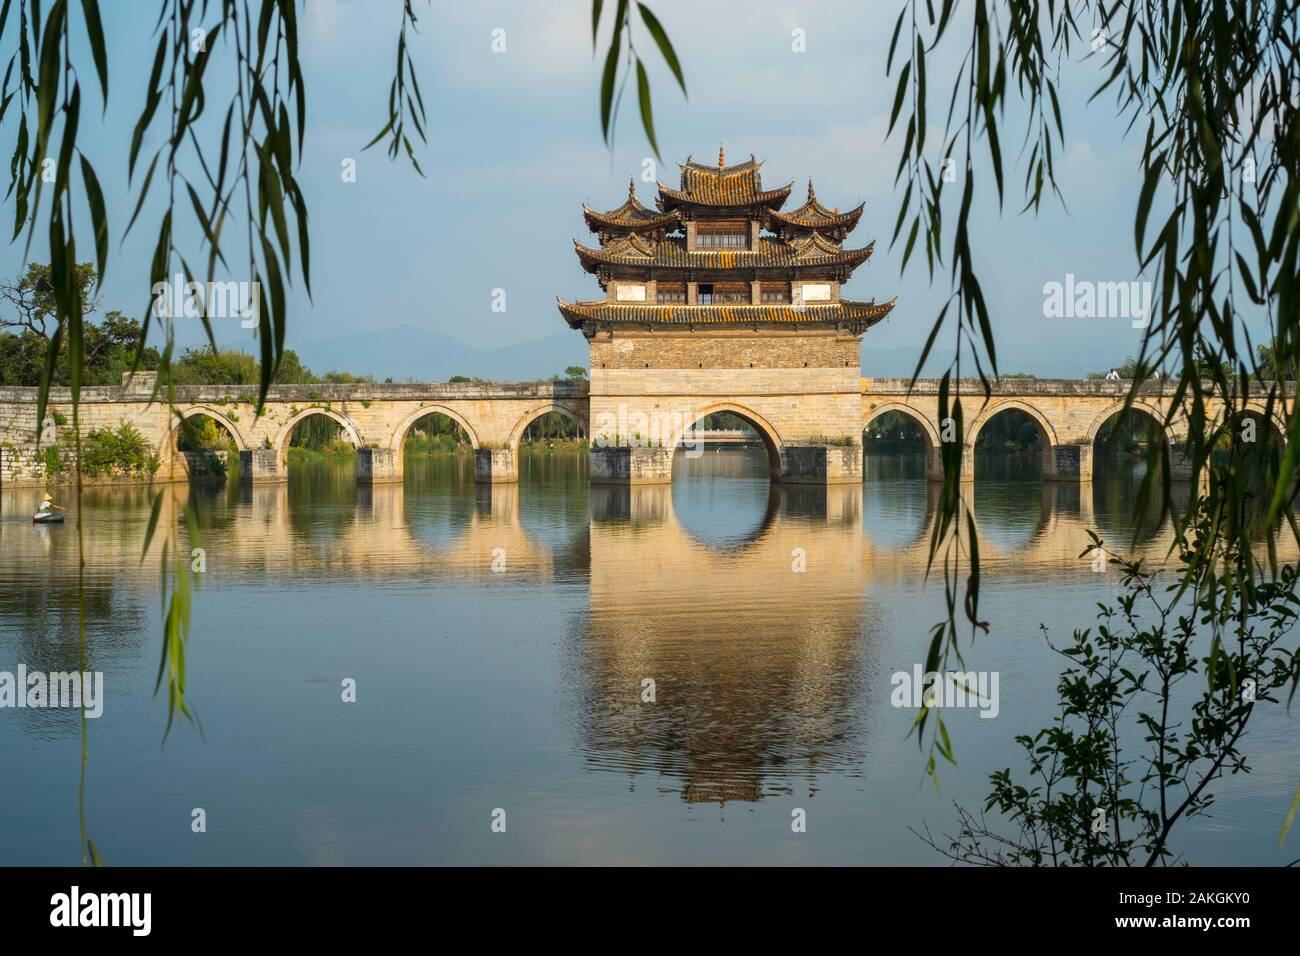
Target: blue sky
point(515, 148)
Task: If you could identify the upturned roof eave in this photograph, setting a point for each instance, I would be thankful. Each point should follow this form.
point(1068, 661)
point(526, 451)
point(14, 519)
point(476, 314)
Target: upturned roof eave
point(601, 314)
point(681, 197)
point(739, 259)
point(847, 219)
point(652, 220)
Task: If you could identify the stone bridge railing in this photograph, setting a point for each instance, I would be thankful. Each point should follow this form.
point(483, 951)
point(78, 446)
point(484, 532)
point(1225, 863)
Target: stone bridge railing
point(1053, 387)
point(141, 389)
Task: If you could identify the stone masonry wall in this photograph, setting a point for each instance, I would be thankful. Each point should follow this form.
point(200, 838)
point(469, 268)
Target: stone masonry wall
point(724, 350)
point(793, 387)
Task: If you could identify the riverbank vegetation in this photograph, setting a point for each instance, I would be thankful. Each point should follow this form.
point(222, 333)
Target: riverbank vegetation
point(1153, 708)
point(120, 452)
point(337, 450)
point(551, 427)
point(436, 434)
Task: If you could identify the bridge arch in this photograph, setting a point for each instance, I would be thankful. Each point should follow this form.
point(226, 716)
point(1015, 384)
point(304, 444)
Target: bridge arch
point(1276, 423)
point(927, 427)
point(398, 440)
point(1097, 427)
point(1047, 437)
point(771, 438)
point(1046, 430)
point(216, 415)
point(574, 415)
point(286, 430)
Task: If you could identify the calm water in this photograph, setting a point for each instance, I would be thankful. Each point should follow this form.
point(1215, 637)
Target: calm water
point(520, 688)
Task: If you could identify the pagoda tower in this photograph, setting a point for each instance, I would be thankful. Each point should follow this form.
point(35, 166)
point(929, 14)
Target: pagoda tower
point(716, 300)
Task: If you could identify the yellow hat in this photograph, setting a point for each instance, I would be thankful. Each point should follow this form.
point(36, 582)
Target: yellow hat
point(49, 498)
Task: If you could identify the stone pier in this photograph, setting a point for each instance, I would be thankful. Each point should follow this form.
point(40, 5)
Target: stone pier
point(967, 463)
point(207, 464)
point(1070, 463)
point(261, 464)
point(377, 464)
point(934, 464)
point(495, 465)
point(821, 464)
point(634, 464)
point(1180, 461)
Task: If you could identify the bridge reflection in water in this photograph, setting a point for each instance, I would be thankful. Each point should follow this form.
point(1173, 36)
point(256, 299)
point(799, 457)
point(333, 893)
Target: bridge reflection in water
point(751, 606)
point(501, 637)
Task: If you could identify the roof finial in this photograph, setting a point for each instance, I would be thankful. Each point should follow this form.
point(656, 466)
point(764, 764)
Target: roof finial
point(631, 187)
point(811, 196)
point(722, 156)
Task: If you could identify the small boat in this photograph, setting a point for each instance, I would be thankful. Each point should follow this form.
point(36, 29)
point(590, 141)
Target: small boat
point(47, 517)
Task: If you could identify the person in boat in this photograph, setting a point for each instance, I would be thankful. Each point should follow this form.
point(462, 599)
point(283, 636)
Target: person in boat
point(48, 505)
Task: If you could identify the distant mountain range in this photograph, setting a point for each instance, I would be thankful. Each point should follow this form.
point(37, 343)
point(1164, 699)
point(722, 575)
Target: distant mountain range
point(408, 352)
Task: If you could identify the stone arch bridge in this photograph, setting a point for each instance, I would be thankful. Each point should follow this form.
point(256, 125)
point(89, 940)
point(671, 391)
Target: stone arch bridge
point(636, 443)
point(376, 418)
point(1069, 416)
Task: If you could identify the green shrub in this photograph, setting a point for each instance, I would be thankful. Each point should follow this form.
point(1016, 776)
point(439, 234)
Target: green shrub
point(123, 451)
point(53, 463)
point(836, 441)
point(336, 449)
point(421, 443)
point(201, 432)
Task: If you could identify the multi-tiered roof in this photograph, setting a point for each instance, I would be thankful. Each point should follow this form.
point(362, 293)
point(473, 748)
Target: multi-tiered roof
point(720, 229)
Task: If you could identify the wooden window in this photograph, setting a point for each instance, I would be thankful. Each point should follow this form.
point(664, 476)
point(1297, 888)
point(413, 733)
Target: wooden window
point(722, 235)
point(731, 293)
point(670, 292)
point(774, 291)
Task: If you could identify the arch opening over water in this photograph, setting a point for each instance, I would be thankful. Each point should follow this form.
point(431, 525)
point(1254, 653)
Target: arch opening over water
point(1252, 426)
point(318, 432)
point(205, 443)
point(204, 429)
point(1260, 441)
point(553, 426)
point(692, 442)
point(1013, 438)
point(432, 453)
point(546, 418)
point(723, 490)
point(432, 420)
point(434, 430)
point(1126, 432)
point(897, 442)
